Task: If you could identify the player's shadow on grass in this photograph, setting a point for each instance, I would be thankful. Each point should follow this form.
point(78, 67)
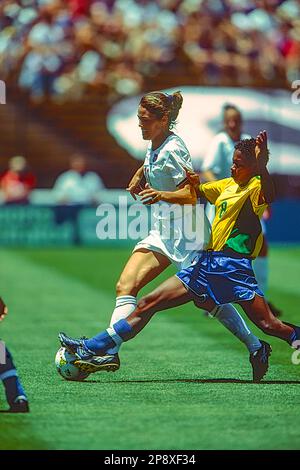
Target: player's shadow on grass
point(200, 381)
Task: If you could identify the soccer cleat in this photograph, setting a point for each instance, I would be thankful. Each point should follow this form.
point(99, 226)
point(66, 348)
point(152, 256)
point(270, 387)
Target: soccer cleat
point(88, 361)
point(75, 346)
point(260, 361)
point(276, 311)
point(108, 363)
point(20, 405)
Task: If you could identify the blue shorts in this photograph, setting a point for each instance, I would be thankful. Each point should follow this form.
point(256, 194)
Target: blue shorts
point(225, 278)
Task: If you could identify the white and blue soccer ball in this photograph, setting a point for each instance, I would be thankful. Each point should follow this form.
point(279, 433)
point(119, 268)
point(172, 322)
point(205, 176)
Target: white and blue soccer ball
point(64, 362)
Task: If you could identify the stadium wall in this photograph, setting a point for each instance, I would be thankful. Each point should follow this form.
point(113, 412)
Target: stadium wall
point(52, 225)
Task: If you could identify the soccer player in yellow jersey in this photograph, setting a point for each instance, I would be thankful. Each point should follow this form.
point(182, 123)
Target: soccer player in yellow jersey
point(223, 272)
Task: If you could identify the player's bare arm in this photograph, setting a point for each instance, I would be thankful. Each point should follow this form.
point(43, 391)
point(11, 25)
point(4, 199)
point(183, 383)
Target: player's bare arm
point(184, 195)
point(262, 156)
point(194, 180)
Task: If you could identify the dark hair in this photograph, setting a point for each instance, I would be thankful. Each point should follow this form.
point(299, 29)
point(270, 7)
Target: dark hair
point(162, 104)
point(228, 106)
point(247, 148)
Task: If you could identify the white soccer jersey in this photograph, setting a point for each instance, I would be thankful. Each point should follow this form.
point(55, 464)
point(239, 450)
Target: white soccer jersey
point(219, 156)
point(164, 171)
point(164, 166)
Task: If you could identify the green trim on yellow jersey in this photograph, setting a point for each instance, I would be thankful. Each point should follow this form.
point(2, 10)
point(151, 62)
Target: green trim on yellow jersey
point(236, 227)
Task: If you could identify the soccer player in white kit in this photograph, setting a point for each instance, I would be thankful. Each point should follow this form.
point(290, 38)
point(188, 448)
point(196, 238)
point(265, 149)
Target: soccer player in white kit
point(216, 166)
point(166, 183)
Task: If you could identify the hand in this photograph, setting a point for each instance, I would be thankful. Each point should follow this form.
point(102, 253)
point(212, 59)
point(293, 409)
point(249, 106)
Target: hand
point(3, 310)
point(149, 195)
point(261, 150)
point(194, 178)
point(135, 185)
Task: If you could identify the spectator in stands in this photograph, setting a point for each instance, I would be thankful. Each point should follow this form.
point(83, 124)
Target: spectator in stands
point(17, 182)
point(43, 60)
point(77, 185)
point(79, 7)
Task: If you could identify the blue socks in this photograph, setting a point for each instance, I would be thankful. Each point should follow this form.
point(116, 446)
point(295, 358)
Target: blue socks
point(296, 333)
point(11, 381)
point(108, 338)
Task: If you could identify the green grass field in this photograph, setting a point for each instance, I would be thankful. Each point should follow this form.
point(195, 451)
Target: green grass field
point(184, 383)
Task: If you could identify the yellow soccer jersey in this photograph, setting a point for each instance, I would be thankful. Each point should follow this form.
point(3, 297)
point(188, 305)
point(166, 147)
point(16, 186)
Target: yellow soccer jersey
point(236, 226)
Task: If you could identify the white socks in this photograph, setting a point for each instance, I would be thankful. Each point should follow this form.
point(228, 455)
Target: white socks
point(232, 320)
point(261, 271)
point(125, 305)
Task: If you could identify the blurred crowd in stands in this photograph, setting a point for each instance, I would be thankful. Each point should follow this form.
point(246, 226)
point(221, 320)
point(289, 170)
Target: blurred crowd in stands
point(64, 49)
point(17, 182)
point(75, 186)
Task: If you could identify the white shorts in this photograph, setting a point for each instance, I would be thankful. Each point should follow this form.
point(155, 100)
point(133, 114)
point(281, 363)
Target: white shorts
point(180, 250)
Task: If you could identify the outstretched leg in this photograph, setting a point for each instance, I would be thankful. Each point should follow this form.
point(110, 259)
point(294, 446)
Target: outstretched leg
point(170, 293)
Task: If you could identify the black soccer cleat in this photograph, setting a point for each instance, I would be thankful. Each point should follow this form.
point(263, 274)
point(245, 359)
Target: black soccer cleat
point(20, 405)
point(260, 361)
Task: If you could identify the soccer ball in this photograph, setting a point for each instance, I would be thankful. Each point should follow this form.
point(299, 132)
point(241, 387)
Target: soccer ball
point(65, 366)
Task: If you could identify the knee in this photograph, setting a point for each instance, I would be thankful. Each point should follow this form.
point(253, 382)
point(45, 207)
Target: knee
point(119, 287)
point(126, 287)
